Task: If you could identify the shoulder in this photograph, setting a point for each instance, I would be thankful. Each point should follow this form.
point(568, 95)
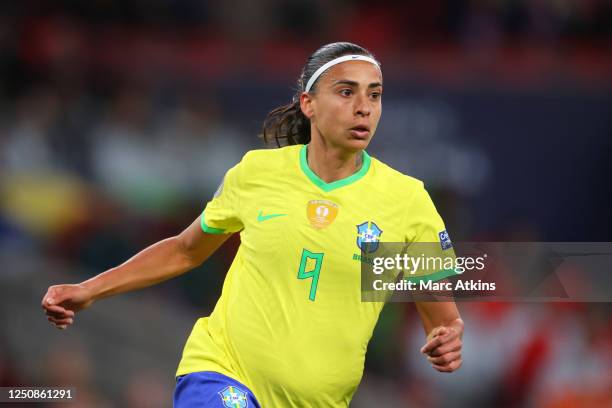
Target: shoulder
point(395, 180)
point(409, 192)
point(269, 159)
point(261, 156)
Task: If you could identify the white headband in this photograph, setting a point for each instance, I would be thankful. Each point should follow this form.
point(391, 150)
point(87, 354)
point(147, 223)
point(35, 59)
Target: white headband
point(333, 62)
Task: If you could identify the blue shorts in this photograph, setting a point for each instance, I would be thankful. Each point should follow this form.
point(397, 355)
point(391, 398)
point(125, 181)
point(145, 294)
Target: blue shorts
point(214, 390)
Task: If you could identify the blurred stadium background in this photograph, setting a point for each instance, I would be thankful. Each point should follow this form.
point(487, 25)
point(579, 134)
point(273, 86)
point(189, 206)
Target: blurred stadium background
point(119, 118)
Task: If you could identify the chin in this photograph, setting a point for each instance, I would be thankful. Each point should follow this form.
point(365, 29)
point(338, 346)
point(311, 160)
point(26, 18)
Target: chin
point(356, 145)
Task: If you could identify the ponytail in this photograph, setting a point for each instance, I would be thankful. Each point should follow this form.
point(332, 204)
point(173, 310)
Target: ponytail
point(286, 125)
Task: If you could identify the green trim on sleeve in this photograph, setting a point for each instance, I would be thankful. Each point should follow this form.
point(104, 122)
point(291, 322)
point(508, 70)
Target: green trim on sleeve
point(334, 184)
point(210, 230)
point(436, 276)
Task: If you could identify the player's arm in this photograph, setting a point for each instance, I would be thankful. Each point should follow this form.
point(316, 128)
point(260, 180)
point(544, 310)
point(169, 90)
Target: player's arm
point(444, 329)
point(161, 261)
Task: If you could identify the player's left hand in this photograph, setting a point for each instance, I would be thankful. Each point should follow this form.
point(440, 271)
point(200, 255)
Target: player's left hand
point(443, 348)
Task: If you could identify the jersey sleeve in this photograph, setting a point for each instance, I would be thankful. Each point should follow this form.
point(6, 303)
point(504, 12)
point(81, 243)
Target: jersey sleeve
point(222, 213)
point(427, 238)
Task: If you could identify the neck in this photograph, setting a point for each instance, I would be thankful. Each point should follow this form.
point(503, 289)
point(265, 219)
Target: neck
point(332, 164)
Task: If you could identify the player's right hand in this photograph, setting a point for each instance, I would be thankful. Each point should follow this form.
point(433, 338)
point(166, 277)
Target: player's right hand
point(61, 302)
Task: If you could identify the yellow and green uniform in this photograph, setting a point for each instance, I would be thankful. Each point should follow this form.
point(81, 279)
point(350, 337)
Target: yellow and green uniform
point(290, 323)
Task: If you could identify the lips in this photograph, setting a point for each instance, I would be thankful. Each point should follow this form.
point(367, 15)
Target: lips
point(360, 131)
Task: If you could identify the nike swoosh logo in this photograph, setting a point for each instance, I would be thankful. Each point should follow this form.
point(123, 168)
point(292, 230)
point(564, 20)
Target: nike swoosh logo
point(261, 217)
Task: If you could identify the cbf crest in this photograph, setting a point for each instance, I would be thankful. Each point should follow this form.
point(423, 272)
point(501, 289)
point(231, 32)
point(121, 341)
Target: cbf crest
point(368, 236)
point(234, 397)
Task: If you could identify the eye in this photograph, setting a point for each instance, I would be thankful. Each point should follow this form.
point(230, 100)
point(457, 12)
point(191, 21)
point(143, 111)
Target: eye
point(346, 92)
point(375, 95)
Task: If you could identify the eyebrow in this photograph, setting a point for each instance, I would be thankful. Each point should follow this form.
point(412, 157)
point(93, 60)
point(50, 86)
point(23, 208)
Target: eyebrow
point(355, 83)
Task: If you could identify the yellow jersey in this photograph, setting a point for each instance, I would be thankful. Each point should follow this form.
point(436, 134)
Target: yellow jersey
point(290, 323)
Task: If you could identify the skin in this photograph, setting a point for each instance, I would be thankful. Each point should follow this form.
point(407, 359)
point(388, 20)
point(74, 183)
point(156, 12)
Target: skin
point(444, 329)
point(347, 95)
point(164, 260)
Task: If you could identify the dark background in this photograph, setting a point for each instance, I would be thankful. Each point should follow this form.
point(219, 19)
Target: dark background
point(119, 118)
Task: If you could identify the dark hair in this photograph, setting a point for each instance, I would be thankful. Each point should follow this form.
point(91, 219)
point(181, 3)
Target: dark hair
point(287, 125)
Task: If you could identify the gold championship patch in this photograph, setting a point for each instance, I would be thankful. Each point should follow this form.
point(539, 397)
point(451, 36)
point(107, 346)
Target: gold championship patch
point(321, 213)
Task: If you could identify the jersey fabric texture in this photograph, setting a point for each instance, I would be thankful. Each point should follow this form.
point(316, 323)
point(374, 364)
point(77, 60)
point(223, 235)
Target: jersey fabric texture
point(290, 323)
point(211, 390)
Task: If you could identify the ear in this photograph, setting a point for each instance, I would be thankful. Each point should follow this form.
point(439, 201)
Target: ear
point(306, 104)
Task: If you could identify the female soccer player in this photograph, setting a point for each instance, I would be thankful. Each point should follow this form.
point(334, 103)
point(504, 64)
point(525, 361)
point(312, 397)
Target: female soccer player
point(290, 328)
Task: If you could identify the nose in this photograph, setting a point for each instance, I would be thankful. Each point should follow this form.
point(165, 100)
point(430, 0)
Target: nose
point(362, 106)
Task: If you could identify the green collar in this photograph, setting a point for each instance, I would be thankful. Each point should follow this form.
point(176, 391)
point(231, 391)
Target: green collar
point(365, 166)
